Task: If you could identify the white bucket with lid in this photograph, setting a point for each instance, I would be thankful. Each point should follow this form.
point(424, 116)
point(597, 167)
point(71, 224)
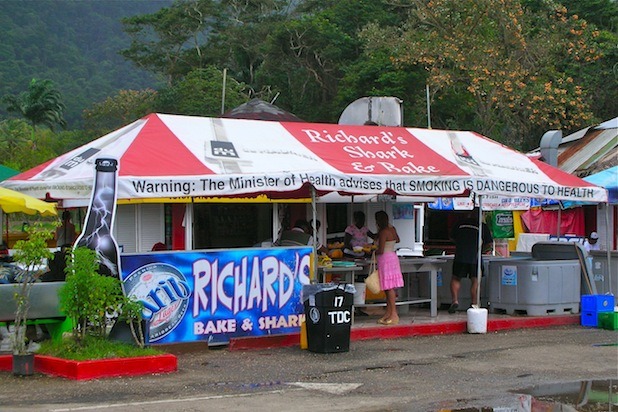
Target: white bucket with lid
point(359, 296)
point(477, 320)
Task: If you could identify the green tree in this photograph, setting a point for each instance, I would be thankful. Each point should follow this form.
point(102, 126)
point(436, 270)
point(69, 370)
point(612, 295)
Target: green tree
point(89, 298)
point(239, 34)
point(40, 105)
point(40, 152)
point(193, 34)
point(508, 68)
point(309, 55)
point(119, 110)
point(200, 93)
point(600, 77)
point(511, 66)
point(169, 42)
point(375, 74)
point(73, 43)
point(29, 254)
point(22, 149)
point(602, 13)
point(15, 134)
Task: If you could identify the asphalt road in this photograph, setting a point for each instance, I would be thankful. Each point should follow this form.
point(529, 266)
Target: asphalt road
point(412, 374)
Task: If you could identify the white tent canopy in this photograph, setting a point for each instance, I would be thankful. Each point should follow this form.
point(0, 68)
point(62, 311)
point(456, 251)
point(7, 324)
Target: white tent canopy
point(185, 157)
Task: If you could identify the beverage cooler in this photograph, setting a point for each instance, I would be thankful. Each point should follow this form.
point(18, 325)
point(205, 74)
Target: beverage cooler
point(548, 282)
point(465, 300)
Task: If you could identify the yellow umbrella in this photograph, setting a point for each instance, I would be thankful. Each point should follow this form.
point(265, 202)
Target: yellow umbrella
point(13, 202)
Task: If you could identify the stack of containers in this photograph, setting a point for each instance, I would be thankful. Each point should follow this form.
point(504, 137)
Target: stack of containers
point(598, 311)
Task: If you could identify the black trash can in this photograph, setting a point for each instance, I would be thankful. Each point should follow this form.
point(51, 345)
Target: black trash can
point(328, 312)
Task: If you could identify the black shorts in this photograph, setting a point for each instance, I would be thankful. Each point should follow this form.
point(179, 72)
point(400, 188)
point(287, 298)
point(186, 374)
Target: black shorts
point(465, 270)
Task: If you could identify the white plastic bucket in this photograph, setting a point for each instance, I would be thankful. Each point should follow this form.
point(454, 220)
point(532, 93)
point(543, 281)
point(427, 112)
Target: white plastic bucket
point(359, 296)
point(477, 320)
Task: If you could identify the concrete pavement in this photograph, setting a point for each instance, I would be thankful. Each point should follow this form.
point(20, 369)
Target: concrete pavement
point(417, 373)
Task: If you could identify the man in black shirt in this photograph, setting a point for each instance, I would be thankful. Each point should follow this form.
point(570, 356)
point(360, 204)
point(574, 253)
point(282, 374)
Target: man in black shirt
point(465, 234)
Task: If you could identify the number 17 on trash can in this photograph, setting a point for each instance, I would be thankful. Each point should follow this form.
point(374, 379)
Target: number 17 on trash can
point(328, 313)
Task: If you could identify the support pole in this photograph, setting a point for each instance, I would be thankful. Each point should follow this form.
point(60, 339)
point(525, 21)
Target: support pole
point(223, 91)
point(559, 221)
point(608, 246)
point(428, 107)
point(479, 270)
point(314, 244)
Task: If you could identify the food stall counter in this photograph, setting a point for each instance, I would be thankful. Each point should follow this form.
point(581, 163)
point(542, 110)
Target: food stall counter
point(349, 271)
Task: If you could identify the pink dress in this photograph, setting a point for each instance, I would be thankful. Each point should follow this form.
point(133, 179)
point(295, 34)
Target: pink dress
point(389, 268)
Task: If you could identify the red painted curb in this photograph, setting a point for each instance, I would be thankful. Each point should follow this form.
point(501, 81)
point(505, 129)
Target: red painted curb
point(534, 322)
point(359, 334)
point(105, 368)
point(102, 368)
point(6, 362)
point(402, 331)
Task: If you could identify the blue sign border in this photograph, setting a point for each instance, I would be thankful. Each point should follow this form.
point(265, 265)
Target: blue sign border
point(213, 296)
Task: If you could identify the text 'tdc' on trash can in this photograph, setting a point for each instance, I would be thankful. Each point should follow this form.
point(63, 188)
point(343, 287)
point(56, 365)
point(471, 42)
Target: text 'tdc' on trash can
point(328, 313)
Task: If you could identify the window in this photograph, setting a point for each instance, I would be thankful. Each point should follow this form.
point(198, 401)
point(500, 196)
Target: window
point(229, 225)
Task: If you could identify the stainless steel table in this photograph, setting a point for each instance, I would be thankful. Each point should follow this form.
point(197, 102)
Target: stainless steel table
point(409, 265)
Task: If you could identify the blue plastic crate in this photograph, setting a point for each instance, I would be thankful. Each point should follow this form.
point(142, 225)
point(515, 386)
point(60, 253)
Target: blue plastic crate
point(597, 303)
point(589, 318)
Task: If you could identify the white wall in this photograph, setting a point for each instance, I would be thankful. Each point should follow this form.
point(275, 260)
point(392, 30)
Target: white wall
point(134, 237)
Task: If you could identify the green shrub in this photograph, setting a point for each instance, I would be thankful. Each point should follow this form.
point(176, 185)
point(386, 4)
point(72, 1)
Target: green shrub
point(30, 255)
point(89, 299)
point(91, 348)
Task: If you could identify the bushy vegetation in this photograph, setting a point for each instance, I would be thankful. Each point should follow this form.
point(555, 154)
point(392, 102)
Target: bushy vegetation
point(509, 69)
point(31, 255)
point(91, 300)
point(75, 44)
point(93, 348)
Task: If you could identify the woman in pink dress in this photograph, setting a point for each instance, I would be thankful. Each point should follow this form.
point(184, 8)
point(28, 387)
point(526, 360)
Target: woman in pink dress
point(388, 267)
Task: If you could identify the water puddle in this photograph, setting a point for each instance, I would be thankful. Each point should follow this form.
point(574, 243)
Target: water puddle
point(582, 396)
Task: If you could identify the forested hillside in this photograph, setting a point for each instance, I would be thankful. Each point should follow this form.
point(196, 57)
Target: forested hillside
point(73, 43)
point(508, 69)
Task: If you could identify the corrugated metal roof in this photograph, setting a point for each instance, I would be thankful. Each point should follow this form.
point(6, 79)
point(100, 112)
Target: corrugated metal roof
point(590, 150)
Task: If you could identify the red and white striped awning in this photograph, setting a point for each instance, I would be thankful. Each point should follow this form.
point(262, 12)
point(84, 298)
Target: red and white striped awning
point(171, 156)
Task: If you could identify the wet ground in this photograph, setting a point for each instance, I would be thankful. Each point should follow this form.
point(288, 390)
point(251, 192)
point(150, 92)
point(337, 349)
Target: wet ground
point(423, 373)
point(582, 396)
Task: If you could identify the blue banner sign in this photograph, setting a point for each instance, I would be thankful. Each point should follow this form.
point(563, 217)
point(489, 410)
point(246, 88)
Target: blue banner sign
point(216, 295)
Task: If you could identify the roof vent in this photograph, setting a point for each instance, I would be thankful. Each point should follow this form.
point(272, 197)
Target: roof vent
point(549, 146)
point(383, 111)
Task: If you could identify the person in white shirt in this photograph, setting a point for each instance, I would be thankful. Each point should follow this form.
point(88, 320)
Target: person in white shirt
point(592, 243)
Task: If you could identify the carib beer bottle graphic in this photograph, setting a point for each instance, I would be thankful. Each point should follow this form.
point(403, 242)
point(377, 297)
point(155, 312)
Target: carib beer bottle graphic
point(97, 233)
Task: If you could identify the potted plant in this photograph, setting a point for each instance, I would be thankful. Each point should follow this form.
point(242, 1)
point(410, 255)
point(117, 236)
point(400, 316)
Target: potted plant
point(30, 256)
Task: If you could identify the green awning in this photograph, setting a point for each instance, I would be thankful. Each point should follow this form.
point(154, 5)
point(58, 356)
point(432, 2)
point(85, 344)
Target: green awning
point(6, 172)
